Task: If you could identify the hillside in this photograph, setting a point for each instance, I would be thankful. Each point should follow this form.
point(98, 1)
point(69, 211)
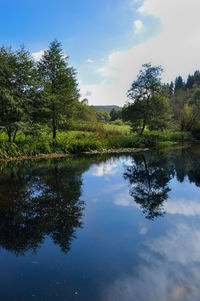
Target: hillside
point(106, 108)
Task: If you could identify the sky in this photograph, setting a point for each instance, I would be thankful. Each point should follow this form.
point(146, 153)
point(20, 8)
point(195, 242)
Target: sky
point(107, 41)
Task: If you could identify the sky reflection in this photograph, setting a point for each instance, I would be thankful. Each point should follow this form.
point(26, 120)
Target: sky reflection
point(111, 228)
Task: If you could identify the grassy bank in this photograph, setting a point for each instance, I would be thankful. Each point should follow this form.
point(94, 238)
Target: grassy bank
point(85, 139)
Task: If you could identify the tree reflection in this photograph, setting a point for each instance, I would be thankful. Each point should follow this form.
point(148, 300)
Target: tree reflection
point(148, 178)
point(39, 201)
point(187, 165)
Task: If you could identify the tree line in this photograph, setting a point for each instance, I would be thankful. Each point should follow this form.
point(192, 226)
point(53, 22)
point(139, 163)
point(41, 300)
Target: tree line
point(35, 94)
point(158, 106)
point(44, 95)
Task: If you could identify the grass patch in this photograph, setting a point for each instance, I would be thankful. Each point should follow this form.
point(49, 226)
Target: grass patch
point(87, 139)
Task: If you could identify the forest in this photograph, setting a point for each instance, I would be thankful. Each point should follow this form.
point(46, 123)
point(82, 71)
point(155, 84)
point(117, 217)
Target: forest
point(41, 110)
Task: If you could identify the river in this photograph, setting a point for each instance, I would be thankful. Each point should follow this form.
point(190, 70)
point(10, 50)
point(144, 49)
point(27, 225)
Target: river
point(101, 227)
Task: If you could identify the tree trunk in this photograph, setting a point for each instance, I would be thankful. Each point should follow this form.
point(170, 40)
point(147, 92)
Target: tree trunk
point(54, 131)
point(9, 133)
point(143, 127)
point(53, 122)
point(14, 136)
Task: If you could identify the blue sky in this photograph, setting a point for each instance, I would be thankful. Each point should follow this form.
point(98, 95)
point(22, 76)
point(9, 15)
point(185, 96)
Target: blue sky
point(98, 35)
point(88, 29)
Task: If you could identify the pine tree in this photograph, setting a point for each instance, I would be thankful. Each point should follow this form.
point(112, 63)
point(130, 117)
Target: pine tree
point(179, 84)
point(60, 88)
point(171, 89)
point(190, 82)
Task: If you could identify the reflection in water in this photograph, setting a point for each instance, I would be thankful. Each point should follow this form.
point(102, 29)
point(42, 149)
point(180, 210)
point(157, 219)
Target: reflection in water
point(149, 175)
point(119, 255)
point(168, 269)
point(148, 179)
point(43, 201)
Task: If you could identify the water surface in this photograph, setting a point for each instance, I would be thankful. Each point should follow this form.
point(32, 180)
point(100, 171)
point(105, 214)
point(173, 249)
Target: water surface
point(113, 228)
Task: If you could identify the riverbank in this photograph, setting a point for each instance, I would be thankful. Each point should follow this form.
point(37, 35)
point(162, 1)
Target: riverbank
point(78, 142)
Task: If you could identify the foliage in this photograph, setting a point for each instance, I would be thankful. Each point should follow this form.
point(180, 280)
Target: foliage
point(83, 112)
point(149, 103)
point(60, 87)
point(115, 114)
point(109, 137)
point(16, 89)
point(103, 116)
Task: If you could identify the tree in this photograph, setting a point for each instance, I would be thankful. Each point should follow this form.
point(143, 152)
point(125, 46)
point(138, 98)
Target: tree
point(17, 86)
point(115, 114)
point(60, 87)
point(146, 94)
point(85, 112)
point(171, 89)
point(197, 78)
point(103, 116)
point(179, 84)
point(190, 82)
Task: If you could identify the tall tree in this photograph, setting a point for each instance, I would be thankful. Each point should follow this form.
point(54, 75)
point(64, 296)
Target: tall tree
point(17, 73)
point(171, 89)
point(190, 82)
point(60, 87)
point(146, 94)
point(179, 84)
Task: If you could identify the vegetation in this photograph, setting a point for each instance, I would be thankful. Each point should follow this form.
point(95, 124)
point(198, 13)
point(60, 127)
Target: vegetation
point(149, 103)
point(41, 111)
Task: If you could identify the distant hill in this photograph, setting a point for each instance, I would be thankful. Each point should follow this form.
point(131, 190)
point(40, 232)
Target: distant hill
point(106, 108)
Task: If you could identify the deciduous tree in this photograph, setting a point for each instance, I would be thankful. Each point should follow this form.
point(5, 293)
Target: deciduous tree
point(148, 97)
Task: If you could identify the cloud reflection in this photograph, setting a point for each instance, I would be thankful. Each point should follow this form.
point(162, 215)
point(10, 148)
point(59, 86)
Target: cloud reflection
point(168, 269)
point(183, 207)
point(105, 168)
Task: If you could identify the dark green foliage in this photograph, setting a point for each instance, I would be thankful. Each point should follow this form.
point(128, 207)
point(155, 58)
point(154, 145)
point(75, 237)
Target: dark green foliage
point(185, 103)
point(17, 87)
point(115, 114)
point(179, 84)
point(197, 78)
point(190, 82)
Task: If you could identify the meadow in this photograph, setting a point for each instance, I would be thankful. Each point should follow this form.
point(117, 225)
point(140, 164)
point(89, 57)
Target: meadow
point(86, 138)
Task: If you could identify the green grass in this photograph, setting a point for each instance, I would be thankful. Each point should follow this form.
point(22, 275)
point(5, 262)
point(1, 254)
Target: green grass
point(86, 138)
point(123, 129)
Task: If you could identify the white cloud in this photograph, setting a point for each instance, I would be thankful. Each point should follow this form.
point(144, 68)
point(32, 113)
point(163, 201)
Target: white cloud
point(138, 25)
point(90, 61)
point(37, 55)
point(176, 48)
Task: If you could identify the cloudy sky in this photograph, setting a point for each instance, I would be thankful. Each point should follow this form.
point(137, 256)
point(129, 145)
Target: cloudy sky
point(108, 40)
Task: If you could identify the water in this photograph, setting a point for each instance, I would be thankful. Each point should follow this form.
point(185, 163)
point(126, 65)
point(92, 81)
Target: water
point(98, 228)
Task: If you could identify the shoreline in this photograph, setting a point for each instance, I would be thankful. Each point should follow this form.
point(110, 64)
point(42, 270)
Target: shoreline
point(62, 155)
